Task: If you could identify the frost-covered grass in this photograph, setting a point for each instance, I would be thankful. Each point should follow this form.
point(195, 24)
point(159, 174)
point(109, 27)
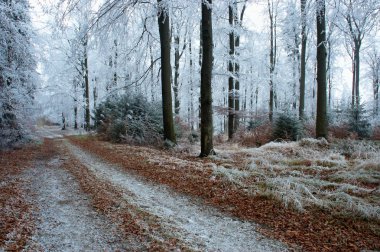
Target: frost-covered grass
point(343, 177)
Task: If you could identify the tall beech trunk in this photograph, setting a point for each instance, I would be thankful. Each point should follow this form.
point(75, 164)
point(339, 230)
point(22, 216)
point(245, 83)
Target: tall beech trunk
point(86, 95)
point(272, 59)
point(231, 86)
point(321, 122)
point(176, 75)
point(303, 61)
point(207, 147)
point(164, 30)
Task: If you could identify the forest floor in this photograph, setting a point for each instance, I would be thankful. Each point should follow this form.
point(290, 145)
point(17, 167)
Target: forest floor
point(77, 193)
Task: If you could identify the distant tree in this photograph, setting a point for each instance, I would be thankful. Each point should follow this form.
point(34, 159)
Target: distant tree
point(207, 147)
point(321, 122)
point(373, 61)
point(164, 30)
point(17, 70)
point(86, 83)
point(358, 18)
point(231, 81)
point(235, 21)
point(178, 52)
point(272, 10)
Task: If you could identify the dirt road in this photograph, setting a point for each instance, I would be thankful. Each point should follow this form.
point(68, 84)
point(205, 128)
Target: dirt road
point(67, 220)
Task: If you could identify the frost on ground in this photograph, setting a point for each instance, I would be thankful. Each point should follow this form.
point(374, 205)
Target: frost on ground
point(52, 132)
point(343, 177)
point(199, 227)
point(66, 219)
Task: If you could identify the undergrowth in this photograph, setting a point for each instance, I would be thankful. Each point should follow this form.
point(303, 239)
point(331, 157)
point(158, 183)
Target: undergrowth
point(342, 177)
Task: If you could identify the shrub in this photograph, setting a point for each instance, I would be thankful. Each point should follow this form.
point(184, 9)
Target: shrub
point(358, 122)
point(340, 131)
point(117, 131)
point(287, 127)
point(259, 133)
point(129, 118)
point(376, 133)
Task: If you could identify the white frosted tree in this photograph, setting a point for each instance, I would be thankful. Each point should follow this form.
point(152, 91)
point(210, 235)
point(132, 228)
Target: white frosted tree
point(17, 70)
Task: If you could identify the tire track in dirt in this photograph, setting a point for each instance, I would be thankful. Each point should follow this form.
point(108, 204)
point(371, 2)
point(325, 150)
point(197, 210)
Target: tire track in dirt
point(198, 226)
point(66, 219)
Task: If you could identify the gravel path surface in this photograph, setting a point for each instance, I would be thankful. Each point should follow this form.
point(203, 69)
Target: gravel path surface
point(200, 227)
point(66, 219)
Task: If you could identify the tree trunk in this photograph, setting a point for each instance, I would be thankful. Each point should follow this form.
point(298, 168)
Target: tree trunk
point(152, 74)
point(271, 60)
point(86, 86)
point(164, 30)
point(207, 147)
point(321, 122)
point(353, 94)
point(357, 73)
point(376, 95)
point(115, 65)
point(191, 84)
point(237, 23)
point(231, 86)
point(63, 121)
point(75, 116)
point(176, 75)
point(95, 94)
point(303, 61)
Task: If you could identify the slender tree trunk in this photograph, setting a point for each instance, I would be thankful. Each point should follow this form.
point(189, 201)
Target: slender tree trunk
point(353, 95)
point(376, 95)
point(115, 65)
point(231, 84)
point(86, 86)
point(152, 74)
point(237, 24)
point(95, 94)
point(164, 30)
point(176, 75)
point(321, 122)
point(357, 73)
point(63, 121)
point(329, 74)
point(207, 147)
point(75, 116)
point(271, 60)
point(303, 61)
point(191, 84)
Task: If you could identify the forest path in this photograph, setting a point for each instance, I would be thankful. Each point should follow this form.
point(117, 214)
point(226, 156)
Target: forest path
point(197, 226)
point(66, 220)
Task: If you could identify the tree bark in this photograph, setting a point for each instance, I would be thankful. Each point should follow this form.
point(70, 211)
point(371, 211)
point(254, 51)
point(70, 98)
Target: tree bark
point(321, 121)
point(164, 30)
point(357, 73)
point(176, 75)
point(303, 61)
point(272, 60)
point(231, 86)
point(191, 68)
point(207, 147)
point(86, 86)
point(237, 23)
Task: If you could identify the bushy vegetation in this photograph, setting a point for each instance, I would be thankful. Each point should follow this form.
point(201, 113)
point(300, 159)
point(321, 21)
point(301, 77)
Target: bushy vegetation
point(287, 127)
point(259, 132)
point(352, 123)
point(129, 118)
point(358, 122)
